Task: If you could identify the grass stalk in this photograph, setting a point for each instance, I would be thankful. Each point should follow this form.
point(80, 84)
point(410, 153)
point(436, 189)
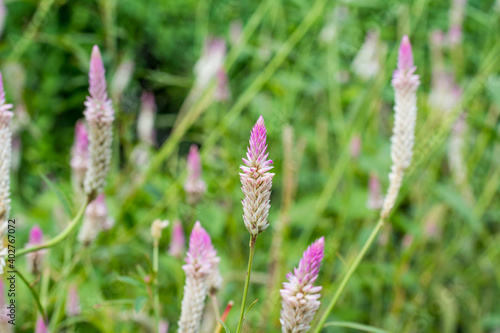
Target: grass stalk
point(247, 283)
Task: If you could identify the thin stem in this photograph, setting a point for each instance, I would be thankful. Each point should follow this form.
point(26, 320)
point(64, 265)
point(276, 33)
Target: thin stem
point(247, 282)
point(156, 297)
point(348, 275)
point(59, 238)
point(35, 296)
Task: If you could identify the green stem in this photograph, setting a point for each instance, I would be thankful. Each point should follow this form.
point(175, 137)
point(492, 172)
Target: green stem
point(348, 275)
point(247, 282)
point(35, 296)
point(155, 288)
point(59, 238)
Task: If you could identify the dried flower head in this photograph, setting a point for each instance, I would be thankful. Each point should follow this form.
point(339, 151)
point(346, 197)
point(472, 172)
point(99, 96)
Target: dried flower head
point(99, 114)
point(200, 261)
point(256, 181)
point(157, 227)
point(194, 186)
point(405, 84)
point(177, 240)
point(300, 298)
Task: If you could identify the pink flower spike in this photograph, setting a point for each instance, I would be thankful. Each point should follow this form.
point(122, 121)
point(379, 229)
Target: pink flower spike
point(80, 154)
point(194, 186)
point(40, 326)
point(300, 297)
point(256, 181)
point(177, 241)
point(97, 79)
point(405, 57)
point(73, 308)
point(201, 260)
point(36, 235)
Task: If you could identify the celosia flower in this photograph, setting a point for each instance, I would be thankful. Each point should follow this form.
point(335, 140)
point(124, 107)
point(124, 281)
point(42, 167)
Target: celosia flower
point(73, 307)
point(222, 92)
point(355, 147)
point(146, 121)
point(156, 228)
point(94, 221)
point(456, 158)
point(405, 84)
point(200, 261)
point(163, 327)
point(367, 62)
point(212, 59)
point(300, 298)
point(177, 240)
point(5, 155)
point(194, 186)
point(99, 115)
point(40, 326)
point(375, 197)
point(457, 13)
point(35, 259)
point(256, 181)
point(80, 154)
point(121, 78)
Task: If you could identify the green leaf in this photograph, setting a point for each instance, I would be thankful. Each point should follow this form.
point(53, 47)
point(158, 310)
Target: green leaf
point(223, 325)
point(130, 280)
point(251, 305)
point(356, 326)
point(139, 303)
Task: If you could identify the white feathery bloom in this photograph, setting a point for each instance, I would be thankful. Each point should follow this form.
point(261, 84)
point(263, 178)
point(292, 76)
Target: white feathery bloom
point(157, 227)
point(367, 62)
point(300, 297)
point(200, 261)
point(405, 84)
point(99, 115)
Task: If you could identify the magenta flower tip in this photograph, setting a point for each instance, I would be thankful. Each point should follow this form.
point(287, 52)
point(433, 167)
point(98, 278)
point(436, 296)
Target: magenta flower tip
point(194, 162)
point(97, 80)
point(36, 235)
point(405, 58)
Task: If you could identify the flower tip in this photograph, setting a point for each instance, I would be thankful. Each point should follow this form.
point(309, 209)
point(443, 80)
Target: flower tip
point(36, 235)
point(405, 58)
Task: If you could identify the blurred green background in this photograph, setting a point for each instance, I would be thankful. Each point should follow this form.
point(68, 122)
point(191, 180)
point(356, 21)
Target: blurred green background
point(435, 267)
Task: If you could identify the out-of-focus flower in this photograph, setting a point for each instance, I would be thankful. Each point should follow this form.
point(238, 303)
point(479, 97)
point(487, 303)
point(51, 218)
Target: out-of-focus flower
point(40, 326)
point(80, 154)
point(456, 157)
point(194, 186)
point(94, 221)
point(121, 79)
point(200, 261)
point(333, 24)
point(256, 181)
point(163, 327)
point(99, 114)
point(73, 307)
point(177, 240)
point(300, 298)
point(34, 260)
point(407, 241)
point(211, 61)
point(146, 121)
point(367, 62)
point(355, 147)
point(375, 197)
point(405, 84)
point(5, 156)
point(222, 92)
point(457, 13)
point(156, 229)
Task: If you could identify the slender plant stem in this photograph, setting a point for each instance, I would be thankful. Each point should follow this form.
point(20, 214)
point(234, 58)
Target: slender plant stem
point(348, 275)
point(247, 282)
point(156, 297)
point(35, 296)
point(59, 238)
